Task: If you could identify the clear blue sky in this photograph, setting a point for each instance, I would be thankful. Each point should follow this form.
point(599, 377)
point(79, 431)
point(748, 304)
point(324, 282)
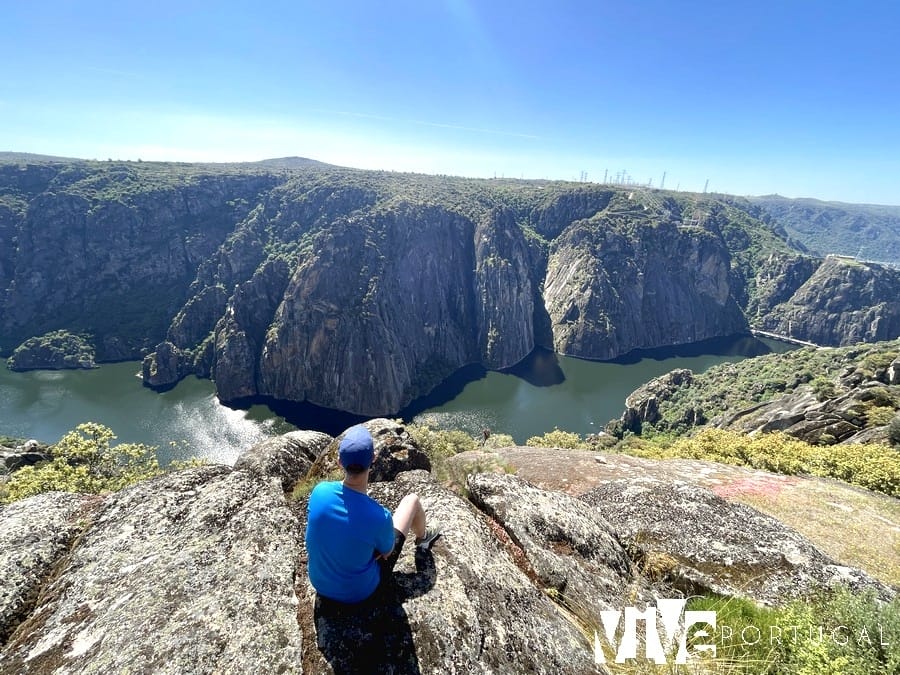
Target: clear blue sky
point(791, 96)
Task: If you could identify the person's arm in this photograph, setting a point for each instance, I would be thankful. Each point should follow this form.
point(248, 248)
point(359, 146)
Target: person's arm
point(384, 542)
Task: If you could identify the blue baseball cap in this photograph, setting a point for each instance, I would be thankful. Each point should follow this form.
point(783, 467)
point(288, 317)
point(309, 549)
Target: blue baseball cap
point(356, 447)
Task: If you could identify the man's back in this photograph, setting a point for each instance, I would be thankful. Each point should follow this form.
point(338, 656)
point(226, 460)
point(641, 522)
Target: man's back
point(344, 531)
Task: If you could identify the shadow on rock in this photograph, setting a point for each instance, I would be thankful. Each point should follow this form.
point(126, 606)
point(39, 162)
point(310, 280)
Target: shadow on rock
point(374, 636)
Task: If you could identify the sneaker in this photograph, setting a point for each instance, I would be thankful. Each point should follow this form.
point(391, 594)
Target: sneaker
point(426, 542)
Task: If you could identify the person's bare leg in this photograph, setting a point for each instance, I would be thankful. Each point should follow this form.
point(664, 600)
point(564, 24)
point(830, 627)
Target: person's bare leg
point(410, 514)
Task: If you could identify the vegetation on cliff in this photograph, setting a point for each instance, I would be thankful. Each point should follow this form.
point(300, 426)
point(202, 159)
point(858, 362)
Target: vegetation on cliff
point(241, 272)
point(719, 394)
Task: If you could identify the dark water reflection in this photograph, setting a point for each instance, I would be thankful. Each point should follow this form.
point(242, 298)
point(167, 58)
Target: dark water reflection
point(546, 391)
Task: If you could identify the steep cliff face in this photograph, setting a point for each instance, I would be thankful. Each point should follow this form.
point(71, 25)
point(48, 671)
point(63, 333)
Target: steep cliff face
point(779, 279)
point(611, 290)
point(505, 292)
point(841, 303)
point(108, 251)
point(382, 311)
point(241, 333)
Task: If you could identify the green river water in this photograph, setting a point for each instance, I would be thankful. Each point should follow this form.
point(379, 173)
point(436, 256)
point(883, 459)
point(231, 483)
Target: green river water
point(544, 392)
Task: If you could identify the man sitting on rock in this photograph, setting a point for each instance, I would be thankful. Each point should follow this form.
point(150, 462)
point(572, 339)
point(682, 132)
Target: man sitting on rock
point(353, 541)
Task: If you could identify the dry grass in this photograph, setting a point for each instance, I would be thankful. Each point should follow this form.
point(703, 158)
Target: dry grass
point(855, 527)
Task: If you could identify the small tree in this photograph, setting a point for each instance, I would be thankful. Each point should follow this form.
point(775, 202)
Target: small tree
point(85, 461)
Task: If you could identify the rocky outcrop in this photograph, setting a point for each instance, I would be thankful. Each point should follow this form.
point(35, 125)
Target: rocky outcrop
point(466, 607)
point(58, 350)
point(610, 290)
point(719, 546)
point(842, 418)
point(288, 457)
point(642, 405)
point(821, 396)
point(28, 453)
point(204, 570)
point(165, 367)
point(191, 572)
point(35, 535)
point(571, 550)
point(395, 451)
point(843, 302)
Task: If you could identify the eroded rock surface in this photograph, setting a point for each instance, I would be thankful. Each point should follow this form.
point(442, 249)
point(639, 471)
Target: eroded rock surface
point(395, 451)
point(465, 608)
point(190, 572)
point(572, 550)
point(288, 457)
point(720, 546)
point(35, 535)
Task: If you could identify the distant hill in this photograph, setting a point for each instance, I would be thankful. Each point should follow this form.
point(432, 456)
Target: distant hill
point(32, 158)
point(870, 231)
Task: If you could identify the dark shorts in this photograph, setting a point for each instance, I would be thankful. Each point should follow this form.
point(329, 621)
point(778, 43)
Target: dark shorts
point(387, 564)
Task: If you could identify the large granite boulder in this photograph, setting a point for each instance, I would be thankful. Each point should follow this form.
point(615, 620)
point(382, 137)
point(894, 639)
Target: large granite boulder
point(165, 367)
point(720, 546)
point(35, 534)
point(468, 606)
point(288, 457)
point(571, 549)
point(28, 453)
point(189, 572)
point(395, 451)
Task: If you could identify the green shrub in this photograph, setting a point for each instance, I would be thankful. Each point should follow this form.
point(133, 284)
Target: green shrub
point(824, 389)
point(500, 441)
point(558, 439)
point(870, 465)
point(844, 632)
point(852, 627)
point(439, 444)
point(84, 461)
point(879, 416)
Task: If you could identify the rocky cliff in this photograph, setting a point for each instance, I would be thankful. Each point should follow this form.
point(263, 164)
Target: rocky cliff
point(108, 250)
point(822, 396)
point(841, 303)
point(361, 291)
point(204, 570)
point(610, 290)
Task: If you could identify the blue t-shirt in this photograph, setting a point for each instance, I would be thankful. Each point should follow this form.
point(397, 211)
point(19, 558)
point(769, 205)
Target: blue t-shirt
point(343, 533)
